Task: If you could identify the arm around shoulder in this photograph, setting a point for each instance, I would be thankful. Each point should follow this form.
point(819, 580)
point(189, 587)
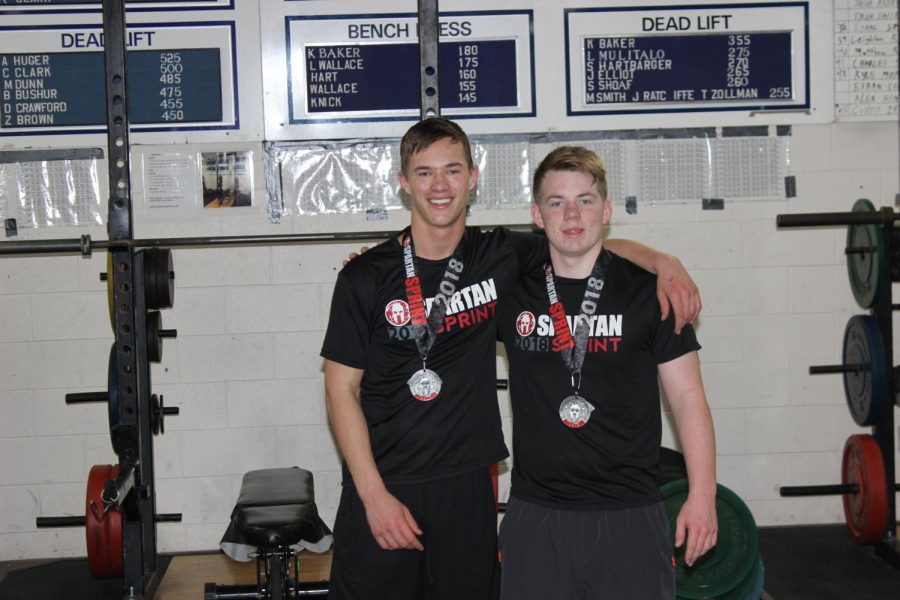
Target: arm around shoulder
point(674, 287)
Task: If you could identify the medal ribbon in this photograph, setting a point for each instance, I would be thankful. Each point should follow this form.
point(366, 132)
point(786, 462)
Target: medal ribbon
point(573, 348)
point(424, 329)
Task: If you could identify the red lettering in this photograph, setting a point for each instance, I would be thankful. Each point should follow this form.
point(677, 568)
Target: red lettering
point(416, 305)
point(464, 319)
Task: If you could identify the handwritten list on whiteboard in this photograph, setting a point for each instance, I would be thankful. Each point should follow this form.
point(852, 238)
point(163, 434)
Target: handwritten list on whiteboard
point(865, 60)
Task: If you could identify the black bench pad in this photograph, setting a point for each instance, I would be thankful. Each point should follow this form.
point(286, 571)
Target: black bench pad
point(275, 507)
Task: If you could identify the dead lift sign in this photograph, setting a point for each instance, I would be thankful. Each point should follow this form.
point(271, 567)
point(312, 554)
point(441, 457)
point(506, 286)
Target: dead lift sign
point(687, 58)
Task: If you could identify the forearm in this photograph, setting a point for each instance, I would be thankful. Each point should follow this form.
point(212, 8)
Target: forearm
point(695, 431)
point(348, 423)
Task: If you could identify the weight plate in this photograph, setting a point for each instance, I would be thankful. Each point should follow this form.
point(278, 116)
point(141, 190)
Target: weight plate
point(110, 291)
point(863, 267)
point(864, 387)
point(728, 563)
point(103, 529)
point(744, 589)
point(112, 393)
point(159, 281)
point(154, 341)
point(866, 511)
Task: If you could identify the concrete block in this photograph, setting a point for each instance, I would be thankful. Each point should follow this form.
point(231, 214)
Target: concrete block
point(17, 326)
point(273, 309)
point(225, 358)
point(700, 245)
point(36, 275)
point(722, 338)
point(743, 291)
point(269, 403)
point(17, 409)
point(70, 316)
point(746, 385)
point(306, 446)
point(297, 354)
point(213, 453)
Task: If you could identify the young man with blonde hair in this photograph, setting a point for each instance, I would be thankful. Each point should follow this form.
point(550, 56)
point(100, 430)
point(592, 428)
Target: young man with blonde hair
point(586, 340)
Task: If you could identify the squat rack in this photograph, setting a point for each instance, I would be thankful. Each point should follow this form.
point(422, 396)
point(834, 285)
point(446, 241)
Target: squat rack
point(133, 432)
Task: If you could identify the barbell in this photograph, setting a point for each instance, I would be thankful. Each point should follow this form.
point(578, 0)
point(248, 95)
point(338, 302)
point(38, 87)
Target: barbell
point(107, 488)
point(863, 486)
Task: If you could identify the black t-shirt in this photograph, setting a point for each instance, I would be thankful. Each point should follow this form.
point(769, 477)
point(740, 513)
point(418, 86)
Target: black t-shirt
point(369, 329)
point(610, 461)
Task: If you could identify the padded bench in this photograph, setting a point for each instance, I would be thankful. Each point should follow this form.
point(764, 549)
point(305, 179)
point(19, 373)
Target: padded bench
point(276, 507)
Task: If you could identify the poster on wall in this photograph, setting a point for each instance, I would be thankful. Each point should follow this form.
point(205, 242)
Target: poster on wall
point(697, 58)
point(179, 77)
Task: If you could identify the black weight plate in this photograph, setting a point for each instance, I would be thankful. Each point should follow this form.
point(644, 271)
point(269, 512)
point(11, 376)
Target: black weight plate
point(154, 341)
point(864, 268)
point(159, 282)
point(112, 392)
point(864, 387)
point(730, 562)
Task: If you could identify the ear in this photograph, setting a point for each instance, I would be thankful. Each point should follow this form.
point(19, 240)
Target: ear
point(536, 215)
point(404, 182)
point(473, 177)
point(607, 211)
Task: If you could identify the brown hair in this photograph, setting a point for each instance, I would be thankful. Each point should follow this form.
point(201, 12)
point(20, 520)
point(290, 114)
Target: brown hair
point(426, 132)
point(570, 158)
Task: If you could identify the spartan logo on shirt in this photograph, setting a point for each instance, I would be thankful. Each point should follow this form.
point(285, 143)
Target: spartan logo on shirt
point(525, 323)
point(397, 312)
point(467, 306)
point(604, 335)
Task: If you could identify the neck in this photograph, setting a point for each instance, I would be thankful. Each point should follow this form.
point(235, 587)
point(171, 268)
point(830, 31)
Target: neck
point(436, 243)
point(574, 267)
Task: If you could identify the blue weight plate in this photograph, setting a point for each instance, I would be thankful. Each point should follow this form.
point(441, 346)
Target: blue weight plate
point(864, 387)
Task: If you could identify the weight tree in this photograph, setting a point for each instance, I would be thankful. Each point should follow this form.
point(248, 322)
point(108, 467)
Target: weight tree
point(868, 482)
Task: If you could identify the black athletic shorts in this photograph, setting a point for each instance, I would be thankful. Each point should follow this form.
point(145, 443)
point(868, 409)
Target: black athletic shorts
point(623, 554)
point(458, 517)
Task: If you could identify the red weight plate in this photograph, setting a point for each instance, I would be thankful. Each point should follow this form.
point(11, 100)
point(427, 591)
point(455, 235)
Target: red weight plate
point(104, 530)
point(866, 511)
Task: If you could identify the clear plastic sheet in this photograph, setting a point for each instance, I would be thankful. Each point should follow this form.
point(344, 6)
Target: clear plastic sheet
point(664, 166)
point(52, 192)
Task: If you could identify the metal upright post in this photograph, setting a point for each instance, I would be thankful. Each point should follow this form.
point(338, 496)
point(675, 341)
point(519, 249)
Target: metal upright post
point(132, 432)
point(429, 37)
point(883, 431)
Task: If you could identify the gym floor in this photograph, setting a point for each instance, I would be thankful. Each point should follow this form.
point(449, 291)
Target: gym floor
point(801, 563)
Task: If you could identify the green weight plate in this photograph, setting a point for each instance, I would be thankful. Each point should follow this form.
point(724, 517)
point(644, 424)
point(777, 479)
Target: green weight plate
point(866, 250)
point(743, 589)
point(730, 561)
point(864, 387)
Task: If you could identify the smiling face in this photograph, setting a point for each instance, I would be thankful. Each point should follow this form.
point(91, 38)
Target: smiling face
point(438, 179)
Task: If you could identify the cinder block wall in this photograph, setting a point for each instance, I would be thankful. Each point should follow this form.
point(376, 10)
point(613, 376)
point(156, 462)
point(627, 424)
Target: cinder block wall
point(246, 374)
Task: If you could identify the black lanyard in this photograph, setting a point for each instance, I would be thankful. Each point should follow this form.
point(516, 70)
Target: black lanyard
point(424, 329)
point(573, 348)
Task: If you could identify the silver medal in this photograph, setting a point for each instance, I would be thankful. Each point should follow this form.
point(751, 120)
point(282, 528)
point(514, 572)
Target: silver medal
point(425, 385)
point(575, 411)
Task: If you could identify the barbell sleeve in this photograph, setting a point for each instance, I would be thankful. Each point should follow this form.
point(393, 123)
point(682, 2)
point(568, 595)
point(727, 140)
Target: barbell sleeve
point(819, 490)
